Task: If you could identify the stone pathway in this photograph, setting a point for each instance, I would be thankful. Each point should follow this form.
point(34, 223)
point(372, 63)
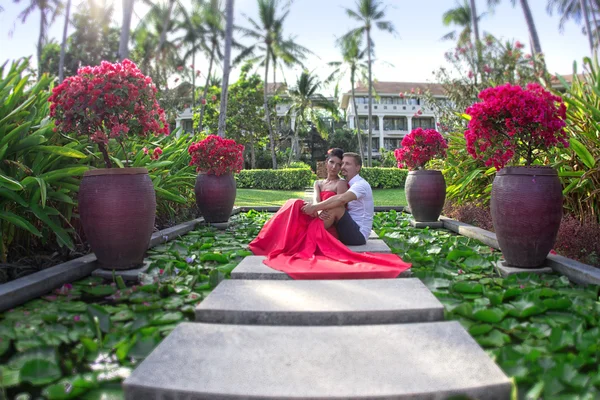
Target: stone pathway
point(261, 335)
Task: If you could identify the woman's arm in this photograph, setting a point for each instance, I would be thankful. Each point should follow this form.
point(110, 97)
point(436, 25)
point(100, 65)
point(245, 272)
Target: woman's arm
point(341, 187)
point(317, 192)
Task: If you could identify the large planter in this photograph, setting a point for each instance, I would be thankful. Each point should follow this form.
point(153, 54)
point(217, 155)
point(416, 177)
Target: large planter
point(425, 194)
point(526, 208)
point(117, 207)
point(215, 196)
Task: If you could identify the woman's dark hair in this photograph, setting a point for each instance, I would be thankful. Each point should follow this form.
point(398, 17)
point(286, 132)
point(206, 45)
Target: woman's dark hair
point(335, 152)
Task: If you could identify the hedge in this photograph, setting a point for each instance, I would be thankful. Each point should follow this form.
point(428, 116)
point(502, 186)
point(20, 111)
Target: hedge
point(299, 178)
point(275, 179)
point(384, 178)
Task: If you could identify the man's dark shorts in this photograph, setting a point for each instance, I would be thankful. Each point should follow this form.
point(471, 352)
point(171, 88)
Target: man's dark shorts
point(349, 231)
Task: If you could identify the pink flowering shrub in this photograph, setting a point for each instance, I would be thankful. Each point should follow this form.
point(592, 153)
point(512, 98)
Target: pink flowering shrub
point(513, 123)
point(419, 147)
point(215, 155)
point(109, 101)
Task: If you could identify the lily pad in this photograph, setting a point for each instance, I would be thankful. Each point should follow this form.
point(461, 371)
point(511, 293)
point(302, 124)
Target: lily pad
point(40, 372)
point(167, 318)
point(100, 290)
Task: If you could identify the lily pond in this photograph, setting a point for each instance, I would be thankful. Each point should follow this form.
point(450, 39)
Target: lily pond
point(82, 340)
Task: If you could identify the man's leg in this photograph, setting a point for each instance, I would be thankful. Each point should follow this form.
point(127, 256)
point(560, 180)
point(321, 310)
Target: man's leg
point(349, 231)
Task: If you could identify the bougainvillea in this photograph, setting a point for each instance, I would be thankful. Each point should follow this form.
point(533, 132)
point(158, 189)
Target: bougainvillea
point(109, 101)
point(511, 123)
point(420, 146)
point(218, 156)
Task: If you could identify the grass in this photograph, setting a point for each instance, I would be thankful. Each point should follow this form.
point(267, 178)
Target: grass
point(256, 197)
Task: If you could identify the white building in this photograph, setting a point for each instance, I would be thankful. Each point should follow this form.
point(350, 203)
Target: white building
point(395, 112)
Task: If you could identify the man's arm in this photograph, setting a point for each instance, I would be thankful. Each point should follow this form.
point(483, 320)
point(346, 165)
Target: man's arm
point(334, 201)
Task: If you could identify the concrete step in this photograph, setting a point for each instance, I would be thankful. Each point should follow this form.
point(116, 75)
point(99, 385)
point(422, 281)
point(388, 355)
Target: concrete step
point(432, 360)
point(350, 302)
point(253, 268)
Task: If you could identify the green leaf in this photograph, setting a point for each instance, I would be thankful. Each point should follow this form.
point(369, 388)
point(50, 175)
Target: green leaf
point(40, 372)
point(9, 377)
point(100, 290)
point(43, 190)
point(102, 315)
point(467, 287)
point(524, 308)
point(218, 257)
point(61, 151)
point(62, 235)
point(20, 222)
point(10, 183)
point(167, 318)
point(491, 315)
point(71, 387)
point(493, 339)
point(63, 173)
point(11, 195)
point(582, 152)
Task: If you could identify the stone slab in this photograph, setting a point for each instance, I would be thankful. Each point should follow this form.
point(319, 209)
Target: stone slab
point(175, 231)
point(372, 246)
point(433, 360)
point(421, 225)
point(253, 268)
point(129, 275)
point(373, 235)
point(348, 302)
point(506, 270)
point(574, 270)
point(220, 225)
point(486, 237)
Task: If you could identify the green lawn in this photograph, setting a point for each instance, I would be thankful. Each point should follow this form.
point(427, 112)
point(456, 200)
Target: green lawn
point(256, 197)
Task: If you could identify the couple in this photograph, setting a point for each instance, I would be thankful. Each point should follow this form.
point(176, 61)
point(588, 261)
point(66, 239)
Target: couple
point(297, 240)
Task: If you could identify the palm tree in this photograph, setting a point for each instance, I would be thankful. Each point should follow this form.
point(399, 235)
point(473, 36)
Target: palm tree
point(194, 32)
point(125, 29)
point(63, 45)
point(461, 17)
point(369, 13)
point(305, 102)
point(353, 63)
point(269, 40)
point(49, 10)
point(577, 10)
point(535, 40)
point(226, 66)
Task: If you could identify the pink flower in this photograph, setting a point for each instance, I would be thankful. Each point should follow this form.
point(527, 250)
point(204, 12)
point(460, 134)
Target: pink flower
point(180, 68)
point(203, 101)
point(145, 150)
point(519, 45)
point(214, 98)
point(156, 153)
point(401, 95)
point(419, 147)
point(215, 155)
point(470, 74)
point(76, 318)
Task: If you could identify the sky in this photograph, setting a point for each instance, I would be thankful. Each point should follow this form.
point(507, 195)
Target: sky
point(409, 56)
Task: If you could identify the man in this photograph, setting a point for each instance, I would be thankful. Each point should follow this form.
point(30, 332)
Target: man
point(354, 224)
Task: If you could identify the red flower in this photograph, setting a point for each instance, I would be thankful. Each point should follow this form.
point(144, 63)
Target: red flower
point(180, 68)
point(401, 95)
point(519, 45)
point(420, 146)
point(203, 101)
point(512, 121)
point(214, 98)
point(218, 156)
point(145, 150)
point(156, 153)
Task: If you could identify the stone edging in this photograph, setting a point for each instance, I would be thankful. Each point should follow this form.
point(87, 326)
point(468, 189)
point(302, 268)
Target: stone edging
point(20, 290)
point(574, 270)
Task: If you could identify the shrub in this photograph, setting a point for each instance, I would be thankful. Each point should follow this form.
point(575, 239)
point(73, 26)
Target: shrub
point(279, 179)
point(419, 147)
point(218, 156)
point(384, 178)
point(297, 165)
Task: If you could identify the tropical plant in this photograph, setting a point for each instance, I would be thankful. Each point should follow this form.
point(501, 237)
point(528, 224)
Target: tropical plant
point(461, 17)
point(39, 168)
point(125, 29)
point(419, 147)
point(369, 13)
point(578, 10)
point(109, 101)
point(353, 63)
point(226, 68)
point(63, 45)
point(305, 102)
point(270, 41)
point(512, 123)
point(49, 10)
point(218, 156)
point(535, 40)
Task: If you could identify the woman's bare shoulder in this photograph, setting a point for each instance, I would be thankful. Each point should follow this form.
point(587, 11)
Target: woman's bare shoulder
point(342, 186)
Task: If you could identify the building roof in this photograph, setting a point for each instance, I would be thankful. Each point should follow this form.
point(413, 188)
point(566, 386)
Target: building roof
point(387, 88)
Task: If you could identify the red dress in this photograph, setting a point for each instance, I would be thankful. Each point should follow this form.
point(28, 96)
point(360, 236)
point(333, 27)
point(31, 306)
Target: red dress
point(300, 246)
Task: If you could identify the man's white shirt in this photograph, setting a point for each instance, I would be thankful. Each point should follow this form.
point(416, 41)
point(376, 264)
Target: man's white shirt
point(362, 209)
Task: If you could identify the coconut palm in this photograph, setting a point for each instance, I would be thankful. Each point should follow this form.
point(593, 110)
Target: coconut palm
point(578, 10)
point(535, 40)
point(49, 10)
point(194, 32)
point(226, 66)
point(461, 17)
point(305, 104)
point(352, 64)
point(369, 13)
point(268, 33)
point(63, 45)
point(125, 29)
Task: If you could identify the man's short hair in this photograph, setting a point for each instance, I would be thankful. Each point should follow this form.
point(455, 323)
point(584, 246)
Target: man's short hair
point(356, 157)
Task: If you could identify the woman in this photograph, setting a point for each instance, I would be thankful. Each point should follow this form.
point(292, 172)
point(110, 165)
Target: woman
point(299, 245)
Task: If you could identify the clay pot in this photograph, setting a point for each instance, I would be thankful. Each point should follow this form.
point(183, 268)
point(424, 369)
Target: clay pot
point(215, 196)
point(117, 207)
point(425, 194)
point(526, 208)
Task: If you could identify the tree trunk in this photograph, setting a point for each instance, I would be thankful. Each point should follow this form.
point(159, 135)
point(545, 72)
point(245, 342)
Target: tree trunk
point(226, 67)
point(475, 25)
point(165, 28)
point(63, 45)
point(586, 18)
point(125, 29)
point(597, 27)
point(205, 91)
point(193, 82)
point(252, 156)
point(537, 48)
point(267, 116)
point(356, 124)
point(370, 122)
point(41, 41)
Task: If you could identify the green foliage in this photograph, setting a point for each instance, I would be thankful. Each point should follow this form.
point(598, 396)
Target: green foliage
point(297, 164)
point(579, 165)
point(542, 330)
point(39, 168)
point(384, 178)
point(278, 179)
point(388, 159)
